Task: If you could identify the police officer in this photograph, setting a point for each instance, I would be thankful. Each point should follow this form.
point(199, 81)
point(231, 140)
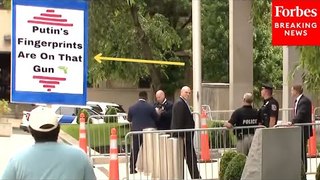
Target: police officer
point(244, 116)
point(270, 108)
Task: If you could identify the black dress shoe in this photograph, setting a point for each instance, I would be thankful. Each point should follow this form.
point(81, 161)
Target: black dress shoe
point(133, 172)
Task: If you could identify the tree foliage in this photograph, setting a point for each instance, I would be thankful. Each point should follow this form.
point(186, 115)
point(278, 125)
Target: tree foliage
point(267, 67)
point(6, 4)
point(158, 30)
point(133, 29)
point(161, 30)
point(309, 63)
point(165, 28)
point(111, 34)
point(215, 40)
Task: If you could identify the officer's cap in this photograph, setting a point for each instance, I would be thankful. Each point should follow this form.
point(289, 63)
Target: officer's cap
point(267, 86)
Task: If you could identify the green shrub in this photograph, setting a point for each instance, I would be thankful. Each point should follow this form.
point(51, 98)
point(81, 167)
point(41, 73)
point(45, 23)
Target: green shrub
point(111, 111)
point(98, 134)
point(7, 4)
point(215, 123)
point(318, 173)
point(225, 159)
point(85, 113)
point(4, 107)
point(221, 138)
point(235, 167)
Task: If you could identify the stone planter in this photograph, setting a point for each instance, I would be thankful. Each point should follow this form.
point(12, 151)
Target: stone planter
point(15, 122)
point(5, 129)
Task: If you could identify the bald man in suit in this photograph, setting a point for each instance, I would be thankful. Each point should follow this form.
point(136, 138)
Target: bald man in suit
point(164, 109)
point(182, 119)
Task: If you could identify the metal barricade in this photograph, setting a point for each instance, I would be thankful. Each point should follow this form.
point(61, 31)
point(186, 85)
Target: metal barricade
point(310, 136)
point(221, 115)
point(197, 119)
point(98, 129)
point(161, 154)
point(285, 115)
point(224, 115)
point(166, 151)
point(207, 109)
point(316, 113)
point(316, 116)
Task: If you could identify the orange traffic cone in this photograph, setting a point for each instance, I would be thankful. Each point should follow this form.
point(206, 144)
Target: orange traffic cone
point(82, 132)
point(205, 152)
point(114, 164)
point(312, 148)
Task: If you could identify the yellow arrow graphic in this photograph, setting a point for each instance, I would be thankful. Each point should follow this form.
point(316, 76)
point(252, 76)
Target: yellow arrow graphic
point(99, 58)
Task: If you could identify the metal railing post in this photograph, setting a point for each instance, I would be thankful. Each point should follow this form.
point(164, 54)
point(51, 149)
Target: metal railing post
point(164, 156)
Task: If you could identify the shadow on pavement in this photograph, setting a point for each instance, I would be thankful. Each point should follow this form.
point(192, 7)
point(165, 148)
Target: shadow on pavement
point(19, 131)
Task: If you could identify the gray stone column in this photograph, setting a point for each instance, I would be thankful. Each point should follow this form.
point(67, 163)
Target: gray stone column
point(240, 51)
point(290, 60)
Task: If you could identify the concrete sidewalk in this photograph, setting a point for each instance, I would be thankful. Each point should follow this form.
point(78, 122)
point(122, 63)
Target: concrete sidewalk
point(99, 168)
point(207, 171)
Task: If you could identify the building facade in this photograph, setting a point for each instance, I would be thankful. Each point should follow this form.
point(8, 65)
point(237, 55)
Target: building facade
point(5, 53)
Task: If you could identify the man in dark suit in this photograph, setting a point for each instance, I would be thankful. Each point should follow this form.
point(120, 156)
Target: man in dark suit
point(164, 110)
point(141, 115)
point(182, 119)
point(303, 111)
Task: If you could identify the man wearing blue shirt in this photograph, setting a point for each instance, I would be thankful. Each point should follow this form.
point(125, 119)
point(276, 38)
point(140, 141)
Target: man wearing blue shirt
point(48, 159)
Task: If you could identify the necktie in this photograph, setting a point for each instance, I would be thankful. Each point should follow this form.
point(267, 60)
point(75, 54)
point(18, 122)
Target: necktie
point(295, 107)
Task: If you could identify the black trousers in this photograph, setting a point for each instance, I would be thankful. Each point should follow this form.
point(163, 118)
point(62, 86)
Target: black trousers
point(190, 156)
point(304, 142)
point(136, 143)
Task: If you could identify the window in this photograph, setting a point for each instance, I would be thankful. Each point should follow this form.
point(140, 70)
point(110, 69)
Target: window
point(96, 108)
point(118, 108)
point(91, 112)
point(71, 111)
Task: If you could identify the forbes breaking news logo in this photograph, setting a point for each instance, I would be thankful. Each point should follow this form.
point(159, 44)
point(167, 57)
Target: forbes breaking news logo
point(295, 28)
point(295, 22)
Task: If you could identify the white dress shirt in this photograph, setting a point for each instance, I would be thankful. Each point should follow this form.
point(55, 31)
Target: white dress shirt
point(186, 103)
point(296, 103)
